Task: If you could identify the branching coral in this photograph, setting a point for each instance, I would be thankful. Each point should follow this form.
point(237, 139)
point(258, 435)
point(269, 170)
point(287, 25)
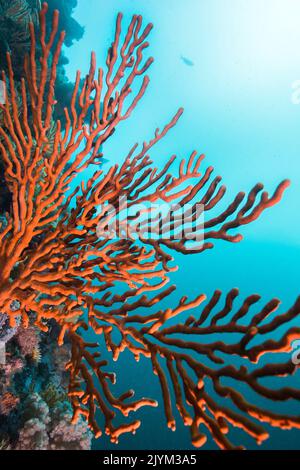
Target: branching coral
point(55, 265)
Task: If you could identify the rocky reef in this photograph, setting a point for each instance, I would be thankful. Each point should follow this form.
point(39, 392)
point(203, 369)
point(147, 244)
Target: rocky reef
point(15, 17)
point(66, 284)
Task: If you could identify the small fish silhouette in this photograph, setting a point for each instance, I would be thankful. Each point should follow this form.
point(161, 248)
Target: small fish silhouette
point(187, 61)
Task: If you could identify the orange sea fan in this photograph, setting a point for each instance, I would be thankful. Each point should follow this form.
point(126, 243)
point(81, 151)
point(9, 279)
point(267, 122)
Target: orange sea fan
point(57, 268)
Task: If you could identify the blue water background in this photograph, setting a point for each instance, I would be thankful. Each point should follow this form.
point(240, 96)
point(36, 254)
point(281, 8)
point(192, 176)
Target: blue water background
point(239, 112)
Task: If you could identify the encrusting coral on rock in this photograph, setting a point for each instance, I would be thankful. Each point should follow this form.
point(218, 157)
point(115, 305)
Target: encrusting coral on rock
point(35, 413)
point(63, 275)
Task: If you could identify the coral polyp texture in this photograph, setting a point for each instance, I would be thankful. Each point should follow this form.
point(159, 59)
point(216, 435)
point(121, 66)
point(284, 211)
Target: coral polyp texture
point(57, 274)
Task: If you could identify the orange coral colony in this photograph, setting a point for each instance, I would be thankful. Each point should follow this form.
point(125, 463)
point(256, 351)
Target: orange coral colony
point(57, 268)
